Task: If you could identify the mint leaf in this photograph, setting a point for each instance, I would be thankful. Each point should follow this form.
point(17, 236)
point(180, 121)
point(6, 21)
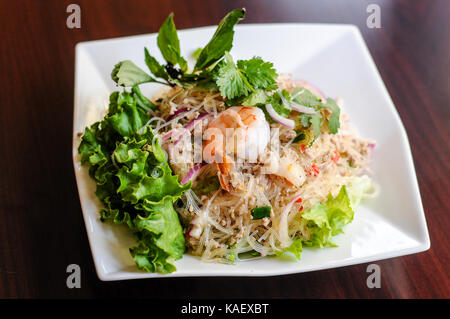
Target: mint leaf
point(168, 42)
point(157, 69)
point(127, 74)
point(222, 40)
point(196, 53)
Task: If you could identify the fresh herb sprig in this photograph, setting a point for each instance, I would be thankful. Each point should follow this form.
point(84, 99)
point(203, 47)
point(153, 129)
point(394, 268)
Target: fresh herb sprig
point(214, 66)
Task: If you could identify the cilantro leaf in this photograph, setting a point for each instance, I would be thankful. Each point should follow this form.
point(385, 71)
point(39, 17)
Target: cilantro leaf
point(257, 97)
point(333, 122)
point(259, 73)
point(304, 97)
point(222, 40)
point(313, 120)
point(230, 80)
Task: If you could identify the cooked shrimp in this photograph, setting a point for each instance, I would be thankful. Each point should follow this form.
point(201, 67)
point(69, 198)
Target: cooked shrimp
point(286, 166)
point(246, 134)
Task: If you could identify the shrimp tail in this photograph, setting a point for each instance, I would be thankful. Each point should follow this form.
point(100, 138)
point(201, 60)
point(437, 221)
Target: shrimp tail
point(223, 172)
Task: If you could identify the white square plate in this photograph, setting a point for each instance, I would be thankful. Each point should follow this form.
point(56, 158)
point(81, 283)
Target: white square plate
point(333, 57)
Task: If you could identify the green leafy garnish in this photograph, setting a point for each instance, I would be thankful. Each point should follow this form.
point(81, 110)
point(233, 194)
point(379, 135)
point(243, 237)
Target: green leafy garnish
point(313, 121)
point(304, 97)
point(169, 44)
point(127, 74)
point(207, 185)
point(157, 69)
point(279, 102)
point(261, 212)
point(295, 248)
point(326, 220)
point(256, 98)
point(300, 137)
point(196, 53)
point(221, 42)
point(231, 81)
point(333, 122)
point(260, 74)
point(241, 83)
point(134, 180)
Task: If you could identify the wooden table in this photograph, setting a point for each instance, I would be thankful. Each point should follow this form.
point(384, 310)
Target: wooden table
point(41, 225)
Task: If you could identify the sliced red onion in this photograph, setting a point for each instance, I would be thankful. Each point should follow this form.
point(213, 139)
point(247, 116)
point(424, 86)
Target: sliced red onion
point(165, 137)
point(190, 126)
point(278, 118)
point(179, 111)
point(193, 172)
point(301, 108)
point(180, 137)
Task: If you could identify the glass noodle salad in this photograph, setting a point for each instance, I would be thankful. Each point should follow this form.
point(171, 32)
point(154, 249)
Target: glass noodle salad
point(230, 161)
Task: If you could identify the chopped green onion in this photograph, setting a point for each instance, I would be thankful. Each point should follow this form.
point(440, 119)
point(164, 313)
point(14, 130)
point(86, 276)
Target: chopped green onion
point(261, 212)
point(300, 137)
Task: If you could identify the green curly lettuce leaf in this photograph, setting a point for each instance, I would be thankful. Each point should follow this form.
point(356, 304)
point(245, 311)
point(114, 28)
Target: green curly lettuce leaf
point(134, 181)
point(326, 220)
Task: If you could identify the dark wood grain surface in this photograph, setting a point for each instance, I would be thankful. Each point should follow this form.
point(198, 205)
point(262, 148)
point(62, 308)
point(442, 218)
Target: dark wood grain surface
point(41, 225)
